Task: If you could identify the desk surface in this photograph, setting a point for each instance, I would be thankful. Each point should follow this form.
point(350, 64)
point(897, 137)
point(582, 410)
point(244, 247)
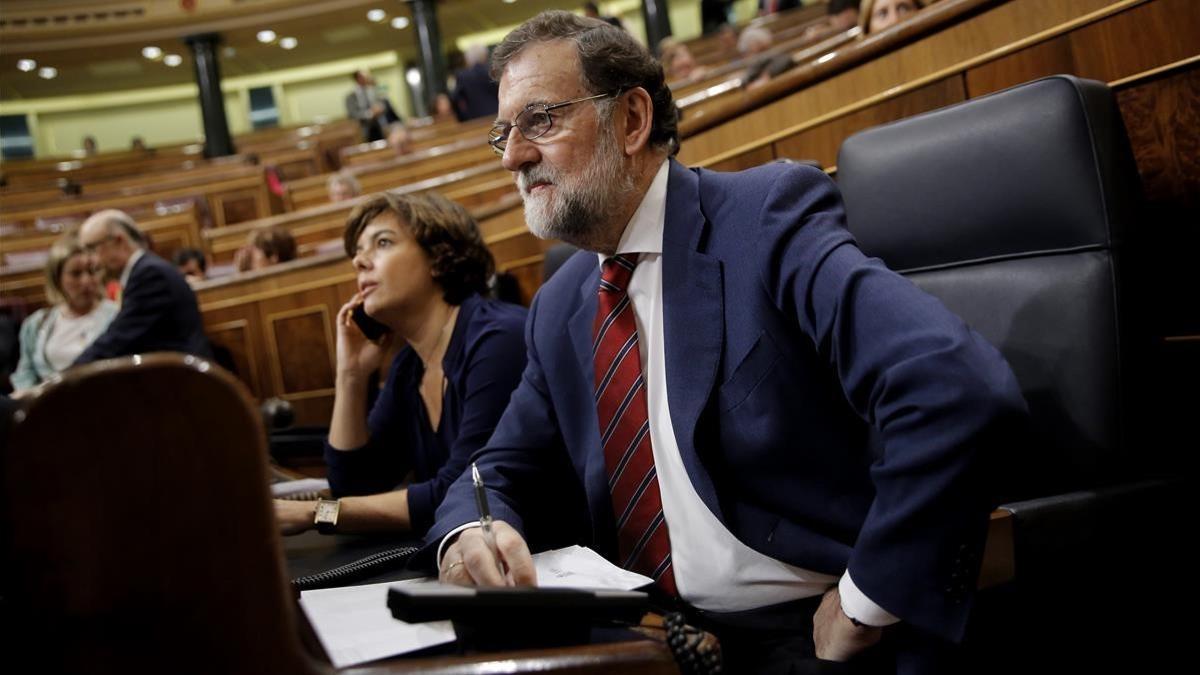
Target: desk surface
point(311, 552)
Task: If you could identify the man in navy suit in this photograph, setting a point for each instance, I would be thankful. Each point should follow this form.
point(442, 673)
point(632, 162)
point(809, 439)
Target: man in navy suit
point(728, 396)
point(158, 309)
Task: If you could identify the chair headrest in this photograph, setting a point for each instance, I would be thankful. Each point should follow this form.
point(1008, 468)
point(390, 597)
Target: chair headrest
point(1044, 166)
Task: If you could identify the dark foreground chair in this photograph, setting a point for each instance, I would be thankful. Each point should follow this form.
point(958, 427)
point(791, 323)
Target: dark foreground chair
point(136, 530)
point(1021, 212)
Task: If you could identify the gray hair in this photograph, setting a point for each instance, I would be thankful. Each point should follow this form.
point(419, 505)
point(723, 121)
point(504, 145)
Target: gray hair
point(754, 35)
point(476, 54)
point(118, 221)
point(344, 178)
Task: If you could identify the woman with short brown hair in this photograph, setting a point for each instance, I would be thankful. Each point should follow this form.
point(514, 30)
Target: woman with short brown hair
point(422, 269)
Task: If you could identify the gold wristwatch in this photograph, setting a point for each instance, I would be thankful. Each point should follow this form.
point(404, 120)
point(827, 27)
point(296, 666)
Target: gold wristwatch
point(327, 515)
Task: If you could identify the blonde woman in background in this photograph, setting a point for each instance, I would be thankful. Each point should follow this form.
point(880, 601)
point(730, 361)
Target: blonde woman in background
point(53, 337)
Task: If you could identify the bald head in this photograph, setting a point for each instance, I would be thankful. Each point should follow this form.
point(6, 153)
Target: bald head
point(110, 237)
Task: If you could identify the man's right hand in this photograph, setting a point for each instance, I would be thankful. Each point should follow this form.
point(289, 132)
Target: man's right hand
point(470, 560)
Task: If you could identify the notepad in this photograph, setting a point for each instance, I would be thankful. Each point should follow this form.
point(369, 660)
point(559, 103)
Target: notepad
point(355, 625)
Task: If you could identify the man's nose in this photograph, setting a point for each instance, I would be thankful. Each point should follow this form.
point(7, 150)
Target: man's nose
point(519, 151)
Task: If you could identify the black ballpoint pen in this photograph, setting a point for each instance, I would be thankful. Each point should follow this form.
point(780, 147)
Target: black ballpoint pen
point(485, 517)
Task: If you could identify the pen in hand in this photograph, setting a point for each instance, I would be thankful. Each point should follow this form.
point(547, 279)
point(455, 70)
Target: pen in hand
point(485, 519)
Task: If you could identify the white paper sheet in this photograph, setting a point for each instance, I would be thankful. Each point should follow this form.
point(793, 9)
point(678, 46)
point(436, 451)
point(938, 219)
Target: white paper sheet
point(355, 625)
point(580, 567)
point(307, 487)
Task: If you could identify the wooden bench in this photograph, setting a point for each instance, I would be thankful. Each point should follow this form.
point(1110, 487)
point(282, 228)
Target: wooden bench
point(232, 196)
point(316, 225)
point(368, 153)
point(175, 228)
point(394, 173)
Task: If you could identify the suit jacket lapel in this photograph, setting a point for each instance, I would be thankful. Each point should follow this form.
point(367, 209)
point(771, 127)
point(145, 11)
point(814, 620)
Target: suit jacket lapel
point(693, 320)
point(579, 326)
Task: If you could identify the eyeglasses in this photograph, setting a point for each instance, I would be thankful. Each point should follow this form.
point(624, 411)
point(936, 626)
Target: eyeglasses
point(534, 121)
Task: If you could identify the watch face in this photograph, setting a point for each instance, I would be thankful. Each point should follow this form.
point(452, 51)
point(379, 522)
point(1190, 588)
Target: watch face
point(327, 511)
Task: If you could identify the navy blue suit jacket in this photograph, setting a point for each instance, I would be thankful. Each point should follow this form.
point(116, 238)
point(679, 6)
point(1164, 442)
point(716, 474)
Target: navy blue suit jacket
point(827, 411)
point(158, 314)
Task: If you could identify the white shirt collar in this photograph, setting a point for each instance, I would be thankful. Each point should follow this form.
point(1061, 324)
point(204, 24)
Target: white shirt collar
point(644, 233)
point(137, 255)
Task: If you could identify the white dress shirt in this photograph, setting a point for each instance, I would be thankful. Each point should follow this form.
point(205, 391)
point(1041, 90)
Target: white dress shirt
point(713, 570)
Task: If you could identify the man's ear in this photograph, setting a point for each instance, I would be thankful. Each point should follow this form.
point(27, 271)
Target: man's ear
point(639, 119)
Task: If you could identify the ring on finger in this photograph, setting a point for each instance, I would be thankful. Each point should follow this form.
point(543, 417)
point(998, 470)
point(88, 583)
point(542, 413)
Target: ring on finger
point(454, 564)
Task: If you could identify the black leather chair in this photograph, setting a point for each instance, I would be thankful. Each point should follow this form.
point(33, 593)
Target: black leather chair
point(556, 255)
point(1021, 211)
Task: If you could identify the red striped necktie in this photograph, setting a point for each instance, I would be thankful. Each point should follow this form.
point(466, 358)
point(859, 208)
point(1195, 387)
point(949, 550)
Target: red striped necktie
point(642, 540)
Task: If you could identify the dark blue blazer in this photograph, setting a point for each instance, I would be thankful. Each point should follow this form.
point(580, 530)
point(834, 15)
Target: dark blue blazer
point(158, 314)
point(827, 411)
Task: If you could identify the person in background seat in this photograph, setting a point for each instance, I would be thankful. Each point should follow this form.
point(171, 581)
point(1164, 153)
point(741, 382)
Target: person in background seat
point(883, 14)
point(53, 337)
point(158, 309)
point(192, 264)
point(267, 246)
point(342, 186)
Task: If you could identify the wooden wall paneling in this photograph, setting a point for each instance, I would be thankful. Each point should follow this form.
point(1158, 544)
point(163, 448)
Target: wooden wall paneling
point(309, 227)
point(1129, 42)
point(1040, 60)
point(301, 351)
point(528, 273)
point(1162, 116)
point(484, 192)
point(823, 141)
point(275, 281)
point(749, 159)
point(167, 233)
point(26, 282)
point(992, 30)
point(302, 337)
point(1137, 40)
point(238, 206)
point(295, 164)
point(148, 198)
point(509, 220)
point(237, 330)
point(513, 249)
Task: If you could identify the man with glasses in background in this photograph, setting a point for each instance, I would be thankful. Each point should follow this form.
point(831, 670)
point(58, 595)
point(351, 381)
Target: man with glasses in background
point(158, 309)
point(704, 379)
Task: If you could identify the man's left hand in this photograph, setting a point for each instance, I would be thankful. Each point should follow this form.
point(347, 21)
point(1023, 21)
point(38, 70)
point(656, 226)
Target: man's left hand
point(836, 638)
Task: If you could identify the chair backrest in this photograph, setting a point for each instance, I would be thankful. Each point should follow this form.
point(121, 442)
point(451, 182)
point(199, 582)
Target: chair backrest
point(136, 528)
point(1013, 209)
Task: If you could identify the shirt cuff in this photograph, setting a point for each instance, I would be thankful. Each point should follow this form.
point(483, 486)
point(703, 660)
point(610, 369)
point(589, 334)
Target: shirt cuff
point(856, 605)
point(450, 535)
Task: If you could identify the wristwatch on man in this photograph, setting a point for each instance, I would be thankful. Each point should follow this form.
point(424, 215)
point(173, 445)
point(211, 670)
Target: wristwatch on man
point(327, 515)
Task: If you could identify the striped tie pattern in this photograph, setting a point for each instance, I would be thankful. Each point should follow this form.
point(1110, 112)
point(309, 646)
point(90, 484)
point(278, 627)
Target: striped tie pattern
point(642, 540)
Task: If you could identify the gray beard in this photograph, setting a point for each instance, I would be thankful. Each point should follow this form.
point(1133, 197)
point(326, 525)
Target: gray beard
point(582, 207)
